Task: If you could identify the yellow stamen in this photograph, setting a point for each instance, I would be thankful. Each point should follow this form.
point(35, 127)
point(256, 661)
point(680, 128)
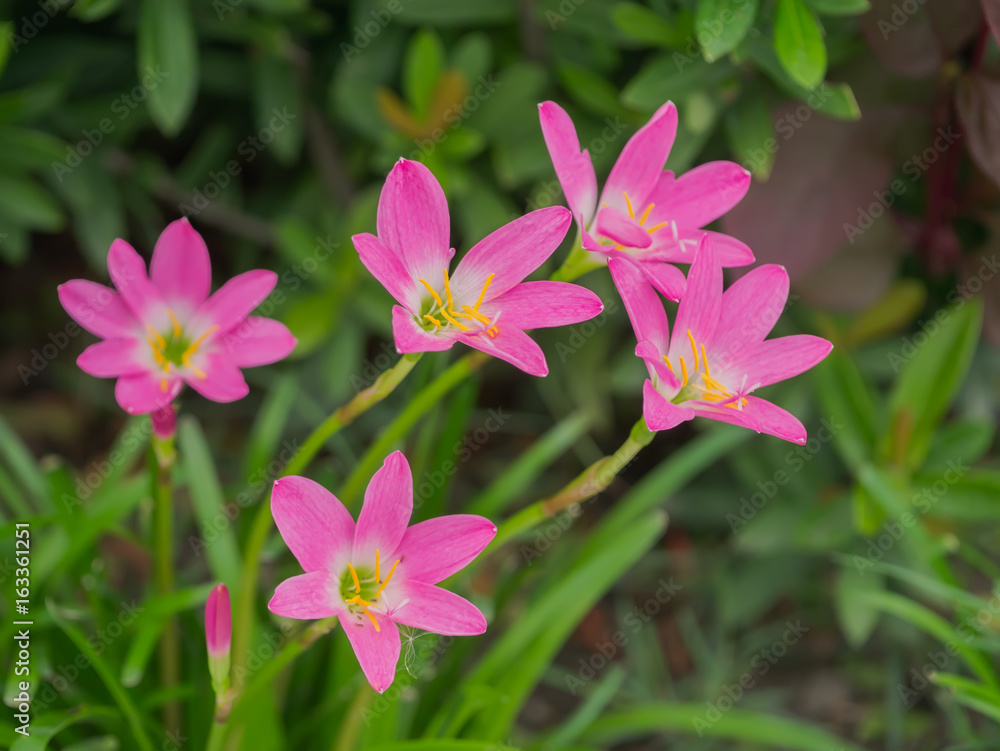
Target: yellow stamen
point(482, 294)
point(197, 343)
point(386, 582)
point(451, 320)
point(372, 619)
point(356, 600)
point(377, 577)
point(163, 385)
point(435, 295)
point(704, 360)
point(354, 575)
point(651, 230)
point(646, 213)
point(432, 319)
point(684, 370)
point(157, 354)
point(159, 339)
point(475, 314)
point(447, 291)
point(178, 329)
point(631, 213)
point(669, 366)
point(493, 331)
point(694, 349)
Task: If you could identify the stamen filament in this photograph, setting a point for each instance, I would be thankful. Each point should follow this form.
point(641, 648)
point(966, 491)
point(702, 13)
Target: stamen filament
point(178, 329)
point(684, 370)
point(646, 213)
point(354, 576)
point(482, 295)
point(694, 349)
point(653, 229)
point(386, 582)
point(159, 338)
point(631, 213)
point(669, 366)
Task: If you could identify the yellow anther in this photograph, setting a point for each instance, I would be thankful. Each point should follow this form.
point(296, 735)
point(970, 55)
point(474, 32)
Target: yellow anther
point(386, 582)
point(704, 360)
point(163, 385)
point(646, 213)
point(493, 331)
point(684, 371)
point(475, 314)
point(452, 320)
point(651, 230)
point(447, 291)
point(482, 294)
point(432, 319)
point(197, 343)
point(694, 349)
point(178, 329)
point(631, 213)
point(372, 619)
point(377, 577)
point(354, 575)
point(669, 366)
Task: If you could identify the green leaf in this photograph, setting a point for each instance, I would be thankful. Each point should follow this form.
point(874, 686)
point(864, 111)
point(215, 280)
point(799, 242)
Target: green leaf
point(894, 310)
point(736, 725)
point(216, 535)
point(930, 374)
point(278, 106)
point(798, 40)
point(673, 77)
point(16, 455)
point(45, 727)
point(168, 62)
point(960, 494)
point(590, 90)
point(840, 7)
point(422, 70)
point(107, 676)
point(856, 616)
point(24, 203)
point(963, 440)
point(848, 397)
point(720, 25)
point(750, 130)
point(517, 660)
point(834, 99)
point(645, 26)
point(96, 206)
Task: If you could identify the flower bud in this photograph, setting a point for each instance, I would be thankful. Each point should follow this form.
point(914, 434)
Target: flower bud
point(218, 634)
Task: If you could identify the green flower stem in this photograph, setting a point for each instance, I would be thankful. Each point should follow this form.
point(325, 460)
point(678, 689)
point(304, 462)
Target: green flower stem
point(228, 705)
point(577, 263)
point(162, 458)
point(588, 483)
point(399, 427)
point(384, 385)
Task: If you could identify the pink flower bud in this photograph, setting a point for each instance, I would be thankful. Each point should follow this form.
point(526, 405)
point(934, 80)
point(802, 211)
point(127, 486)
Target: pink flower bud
point(164, 422)
point(218, 634)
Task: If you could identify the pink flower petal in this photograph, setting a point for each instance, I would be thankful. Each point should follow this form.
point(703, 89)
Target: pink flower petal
point(643, 305)
point(433, 550)
point(235, 300)
point(650, 354)
point(510, 253)
point(666, 278)
point(143, 393)
point(115, 357)
point(750, 308)
point(386, 510)
point(128, 273)
point(387, 267)
point(782, 358)
point(413, 220)
point(98, 309)
point(511, 345)
point(683, 247)
point(699, 308)
point(759, 415)
point(307, 596)
point(623, 229)
point(437, 610)
point(700, 196)
point(180, 267)
point(573, 166)
point(377, 651)
point(641, 161)
point(537, 305)
point(313, 523)
point(218, 621)
point(659, 413)
point(409, 337)
point(256, 341)
point(223, 381)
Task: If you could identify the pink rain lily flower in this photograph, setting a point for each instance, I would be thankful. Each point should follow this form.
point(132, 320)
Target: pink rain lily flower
point(646, 215)
point(484, 303)
point(164, 330)
point(717, 356)
point(379, 572)
point(218, 635)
